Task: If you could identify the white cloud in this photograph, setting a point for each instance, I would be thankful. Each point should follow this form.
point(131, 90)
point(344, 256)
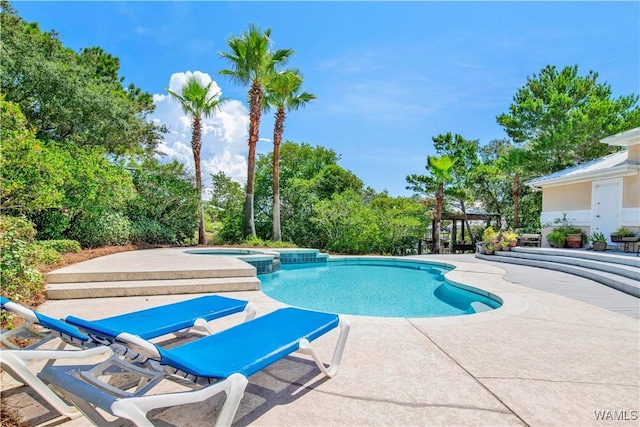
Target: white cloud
point(224, 134)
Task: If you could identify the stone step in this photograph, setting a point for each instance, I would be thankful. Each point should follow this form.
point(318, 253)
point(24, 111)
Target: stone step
point(593, 263)
point(115, 276)
point(612, 257)
point(623, 284)
point(147, 265)
point(124, 288)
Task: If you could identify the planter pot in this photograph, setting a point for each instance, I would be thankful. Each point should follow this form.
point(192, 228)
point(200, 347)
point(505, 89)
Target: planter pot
point(506, 248)
point(574, 241)
point(489, 252)
point(599, 246)
point(616, 239)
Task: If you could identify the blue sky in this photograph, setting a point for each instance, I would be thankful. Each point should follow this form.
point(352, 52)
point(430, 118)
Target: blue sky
point(388, 75)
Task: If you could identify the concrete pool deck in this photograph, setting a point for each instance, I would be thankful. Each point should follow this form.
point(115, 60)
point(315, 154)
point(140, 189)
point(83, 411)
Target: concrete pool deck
point(541, 360)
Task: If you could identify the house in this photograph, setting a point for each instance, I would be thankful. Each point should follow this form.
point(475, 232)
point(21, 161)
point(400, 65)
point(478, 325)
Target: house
point(601, 195)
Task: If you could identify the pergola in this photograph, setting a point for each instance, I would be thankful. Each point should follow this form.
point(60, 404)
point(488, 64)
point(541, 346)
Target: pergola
point(455, 217)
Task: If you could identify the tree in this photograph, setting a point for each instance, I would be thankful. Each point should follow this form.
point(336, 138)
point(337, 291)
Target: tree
point(401, 222)
point(197, 102)
point(165, 207)
point(346, 224)
point(283, 94)
point(333, 179)
point(561, 117)
point(225, 207)
point(30, 176)
point(514, 163)
point(72, 97)
point(440, 174)
point(300, 166)
point(466, 154)
point(252, 62)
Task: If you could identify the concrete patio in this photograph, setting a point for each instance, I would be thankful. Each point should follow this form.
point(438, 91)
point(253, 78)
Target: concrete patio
point(542, 360)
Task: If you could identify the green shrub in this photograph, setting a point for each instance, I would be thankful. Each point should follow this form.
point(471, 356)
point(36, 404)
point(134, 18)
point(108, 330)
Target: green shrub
point(282, 244)
point(63, 246)
point(19, 274)
point(231, 230)
point(50, 223)
point(112, 228)
point(254, 241)
point(151, 231)
point(46, 255)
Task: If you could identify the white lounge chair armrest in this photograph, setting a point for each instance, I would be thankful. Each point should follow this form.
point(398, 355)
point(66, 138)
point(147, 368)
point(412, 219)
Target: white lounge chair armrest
point(251, 309)
point(21, 311)
point(139, 345)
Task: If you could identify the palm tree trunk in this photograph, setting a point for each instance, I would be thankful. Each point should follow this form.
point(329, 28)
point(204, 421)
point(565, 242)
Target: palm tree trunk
point(255, 100)
point(438, 219)
point(196, 146)
point(516, 201)
point(278, 130)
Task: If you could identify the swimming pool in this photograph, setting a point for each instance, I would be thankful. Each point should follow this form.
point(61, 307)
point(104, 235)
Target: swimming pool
point(383, 288)
point(264, 261)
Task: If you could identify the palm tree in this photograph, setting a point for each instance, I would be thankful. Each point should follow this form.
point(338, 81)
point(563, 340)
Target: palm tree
point(251, 62)
point(440, 173)
point(196, 102)
point(513, 162)
point(282, 93)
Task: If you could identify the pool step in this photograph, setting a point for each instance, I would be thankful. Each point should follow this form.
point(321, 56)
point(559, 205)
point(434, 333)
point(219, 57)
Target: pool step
point(127, 288)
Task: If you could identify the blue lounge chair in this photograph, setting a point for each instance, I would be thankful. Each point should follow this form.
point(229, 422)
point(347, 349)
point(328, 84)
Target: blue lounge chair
point(214, 364)
point(150, 323)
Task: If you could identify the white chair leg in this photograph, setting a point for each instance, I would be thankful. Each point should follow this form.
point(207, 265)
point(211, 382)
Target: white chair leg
point(14, 362)
point(135, 408)
point(331, 370)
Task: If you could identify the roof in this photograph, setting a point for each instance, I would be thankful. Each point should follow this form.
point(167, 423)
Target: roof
point(626, 138)
point(613, 165)
point(472, 214)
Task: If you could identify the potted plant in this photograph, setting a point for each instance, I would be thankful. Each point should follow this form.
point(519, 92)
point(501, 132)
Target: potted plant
point(510, 237)
point(598, 241)
point(622, 234)
point(574, 240)
point(506, 244)
point(574, 237)
point(557, 238)
point(489, 248)
point(490, 237)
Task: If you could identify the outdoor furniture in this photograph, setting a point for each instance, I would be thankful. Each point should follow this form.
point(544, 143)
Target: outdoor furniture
point(530, 240)
point(149, 323)
point(463, 247)
point(212, 365)
point(626, 244)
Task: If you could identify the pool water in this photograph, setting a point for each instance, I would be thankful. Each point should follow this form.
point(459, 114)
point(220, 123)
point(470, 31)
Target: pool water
point(373, 289)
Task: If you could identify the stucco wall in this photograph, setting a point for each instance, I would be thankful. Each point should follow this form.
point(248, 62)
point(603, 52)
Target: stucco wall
point(631, 191)
point(567, 197)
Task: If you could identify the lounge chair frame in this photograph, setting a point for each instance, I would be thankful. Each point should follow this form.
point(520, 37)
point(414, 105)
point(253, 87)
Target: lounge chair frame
point(87, 389)
point(14, 359)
